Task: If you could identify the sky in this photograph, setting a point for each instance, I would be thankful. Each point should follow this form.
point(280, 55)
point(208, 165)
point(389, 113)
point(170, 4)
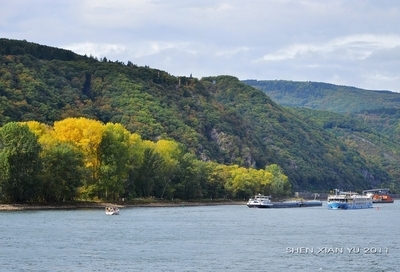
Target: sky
point(344, 42)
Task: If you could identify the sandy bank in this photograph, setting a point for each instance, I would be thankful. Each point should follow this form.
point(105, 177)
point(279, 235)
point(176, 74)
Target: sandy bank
point(102, 205)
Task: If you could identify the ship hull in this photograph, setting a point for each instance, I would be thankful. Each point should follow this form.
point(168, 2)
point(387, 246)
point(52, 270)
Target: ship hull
point(348, 201)
point(289, 204)
point(383, 201)
point(345, 206)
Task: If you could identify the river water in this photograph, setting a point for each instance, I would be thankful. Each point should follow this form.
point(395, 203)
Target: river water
point(206, 238)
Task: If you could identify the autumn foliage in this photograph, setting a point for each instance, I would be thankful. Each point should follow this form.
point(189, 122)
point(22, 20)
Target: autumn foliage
point(81, 158)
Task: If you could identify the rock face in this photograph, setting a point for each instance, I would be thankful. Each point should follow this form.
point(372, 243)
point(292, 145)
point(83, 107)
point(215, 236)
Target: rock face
point(229, 146)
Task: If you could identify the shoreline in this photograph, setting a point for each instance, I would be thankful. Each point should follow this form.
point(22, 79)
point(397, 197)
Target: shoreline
point(102, 205)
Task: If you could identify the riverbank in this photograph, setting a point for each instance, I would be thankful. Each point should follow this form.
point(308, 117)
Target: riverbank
point(102, 205)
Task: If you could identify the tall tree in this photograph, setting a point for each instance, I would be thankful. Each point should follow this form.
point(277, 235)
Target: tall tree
point(114, 161)
point(216, 180)
point(86, 134)
point(188, 178)
point(63, 172)
point(170, 152)
point(148, 174)
point(280, 184)
point(20, 164)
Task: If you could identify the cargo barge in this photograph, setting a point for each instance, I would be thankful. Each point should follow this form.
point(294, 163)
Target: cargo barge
point(379, 195)
point(262, 201)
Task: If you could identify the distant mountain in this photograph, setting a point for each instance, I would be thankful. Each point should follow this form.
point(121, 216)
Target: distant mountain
point(366, 120)
point(217, 118)
point(324, 96)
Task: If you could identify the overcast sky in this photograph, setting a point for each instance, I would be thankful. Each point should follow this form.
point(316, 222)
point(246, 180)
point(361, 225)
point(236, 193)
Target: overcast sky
point(345, 42)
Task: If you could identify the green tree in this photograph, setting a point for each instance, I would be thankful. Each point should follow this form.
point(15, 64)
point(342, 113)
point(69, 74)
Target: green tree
point(63, 172)
point(188, 178)
point(216, 180)
point(280, 184)
point(170, 152)
point(20, 163)
point(148, 174)
point(114, 161)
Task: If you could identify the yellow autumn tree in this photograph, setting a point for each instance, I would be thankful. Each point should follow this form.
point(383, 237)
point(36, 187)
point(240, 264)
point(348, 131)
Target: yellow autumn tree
point(280, 184)
point(242, 182)
point(86, 134)
point(217, 179)
point(62, 172)
point(44, 132)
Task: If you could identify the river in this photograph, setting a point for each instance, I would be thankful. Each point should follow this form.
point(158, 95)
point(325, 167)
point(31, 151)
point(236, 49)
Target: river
point(202, 238)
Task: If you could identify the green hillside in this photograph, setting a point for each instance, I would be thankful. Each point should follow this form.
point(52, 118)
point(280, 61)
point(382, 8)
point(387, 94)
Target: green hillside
point(217, 118)
point(365, 120)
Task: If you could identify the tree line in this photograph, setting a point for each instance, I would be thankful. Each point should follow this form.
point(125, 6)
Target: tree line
point(84, 159)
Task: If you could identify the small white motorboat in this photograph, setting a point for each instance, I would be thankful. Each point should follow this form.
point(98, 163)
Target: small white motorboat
point(112, 211)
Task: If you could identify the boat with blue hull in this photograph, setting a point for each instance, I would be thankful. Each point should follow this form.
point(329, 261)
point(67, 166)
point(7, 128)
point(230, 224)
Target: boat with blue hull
point(348, 200)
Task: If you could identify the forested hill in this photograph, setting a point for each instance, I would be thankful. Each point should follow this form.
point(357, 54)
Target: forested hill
point(324, 96)
point(217, 118)
point(366, 120)
point(16, 47)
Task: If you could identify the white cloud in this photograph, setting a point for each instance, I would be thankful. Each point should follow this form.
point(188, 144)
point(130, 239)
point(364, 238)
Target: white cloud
point(356, 47)
point(130, 51)
point(231, 52)
point(96, 50)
